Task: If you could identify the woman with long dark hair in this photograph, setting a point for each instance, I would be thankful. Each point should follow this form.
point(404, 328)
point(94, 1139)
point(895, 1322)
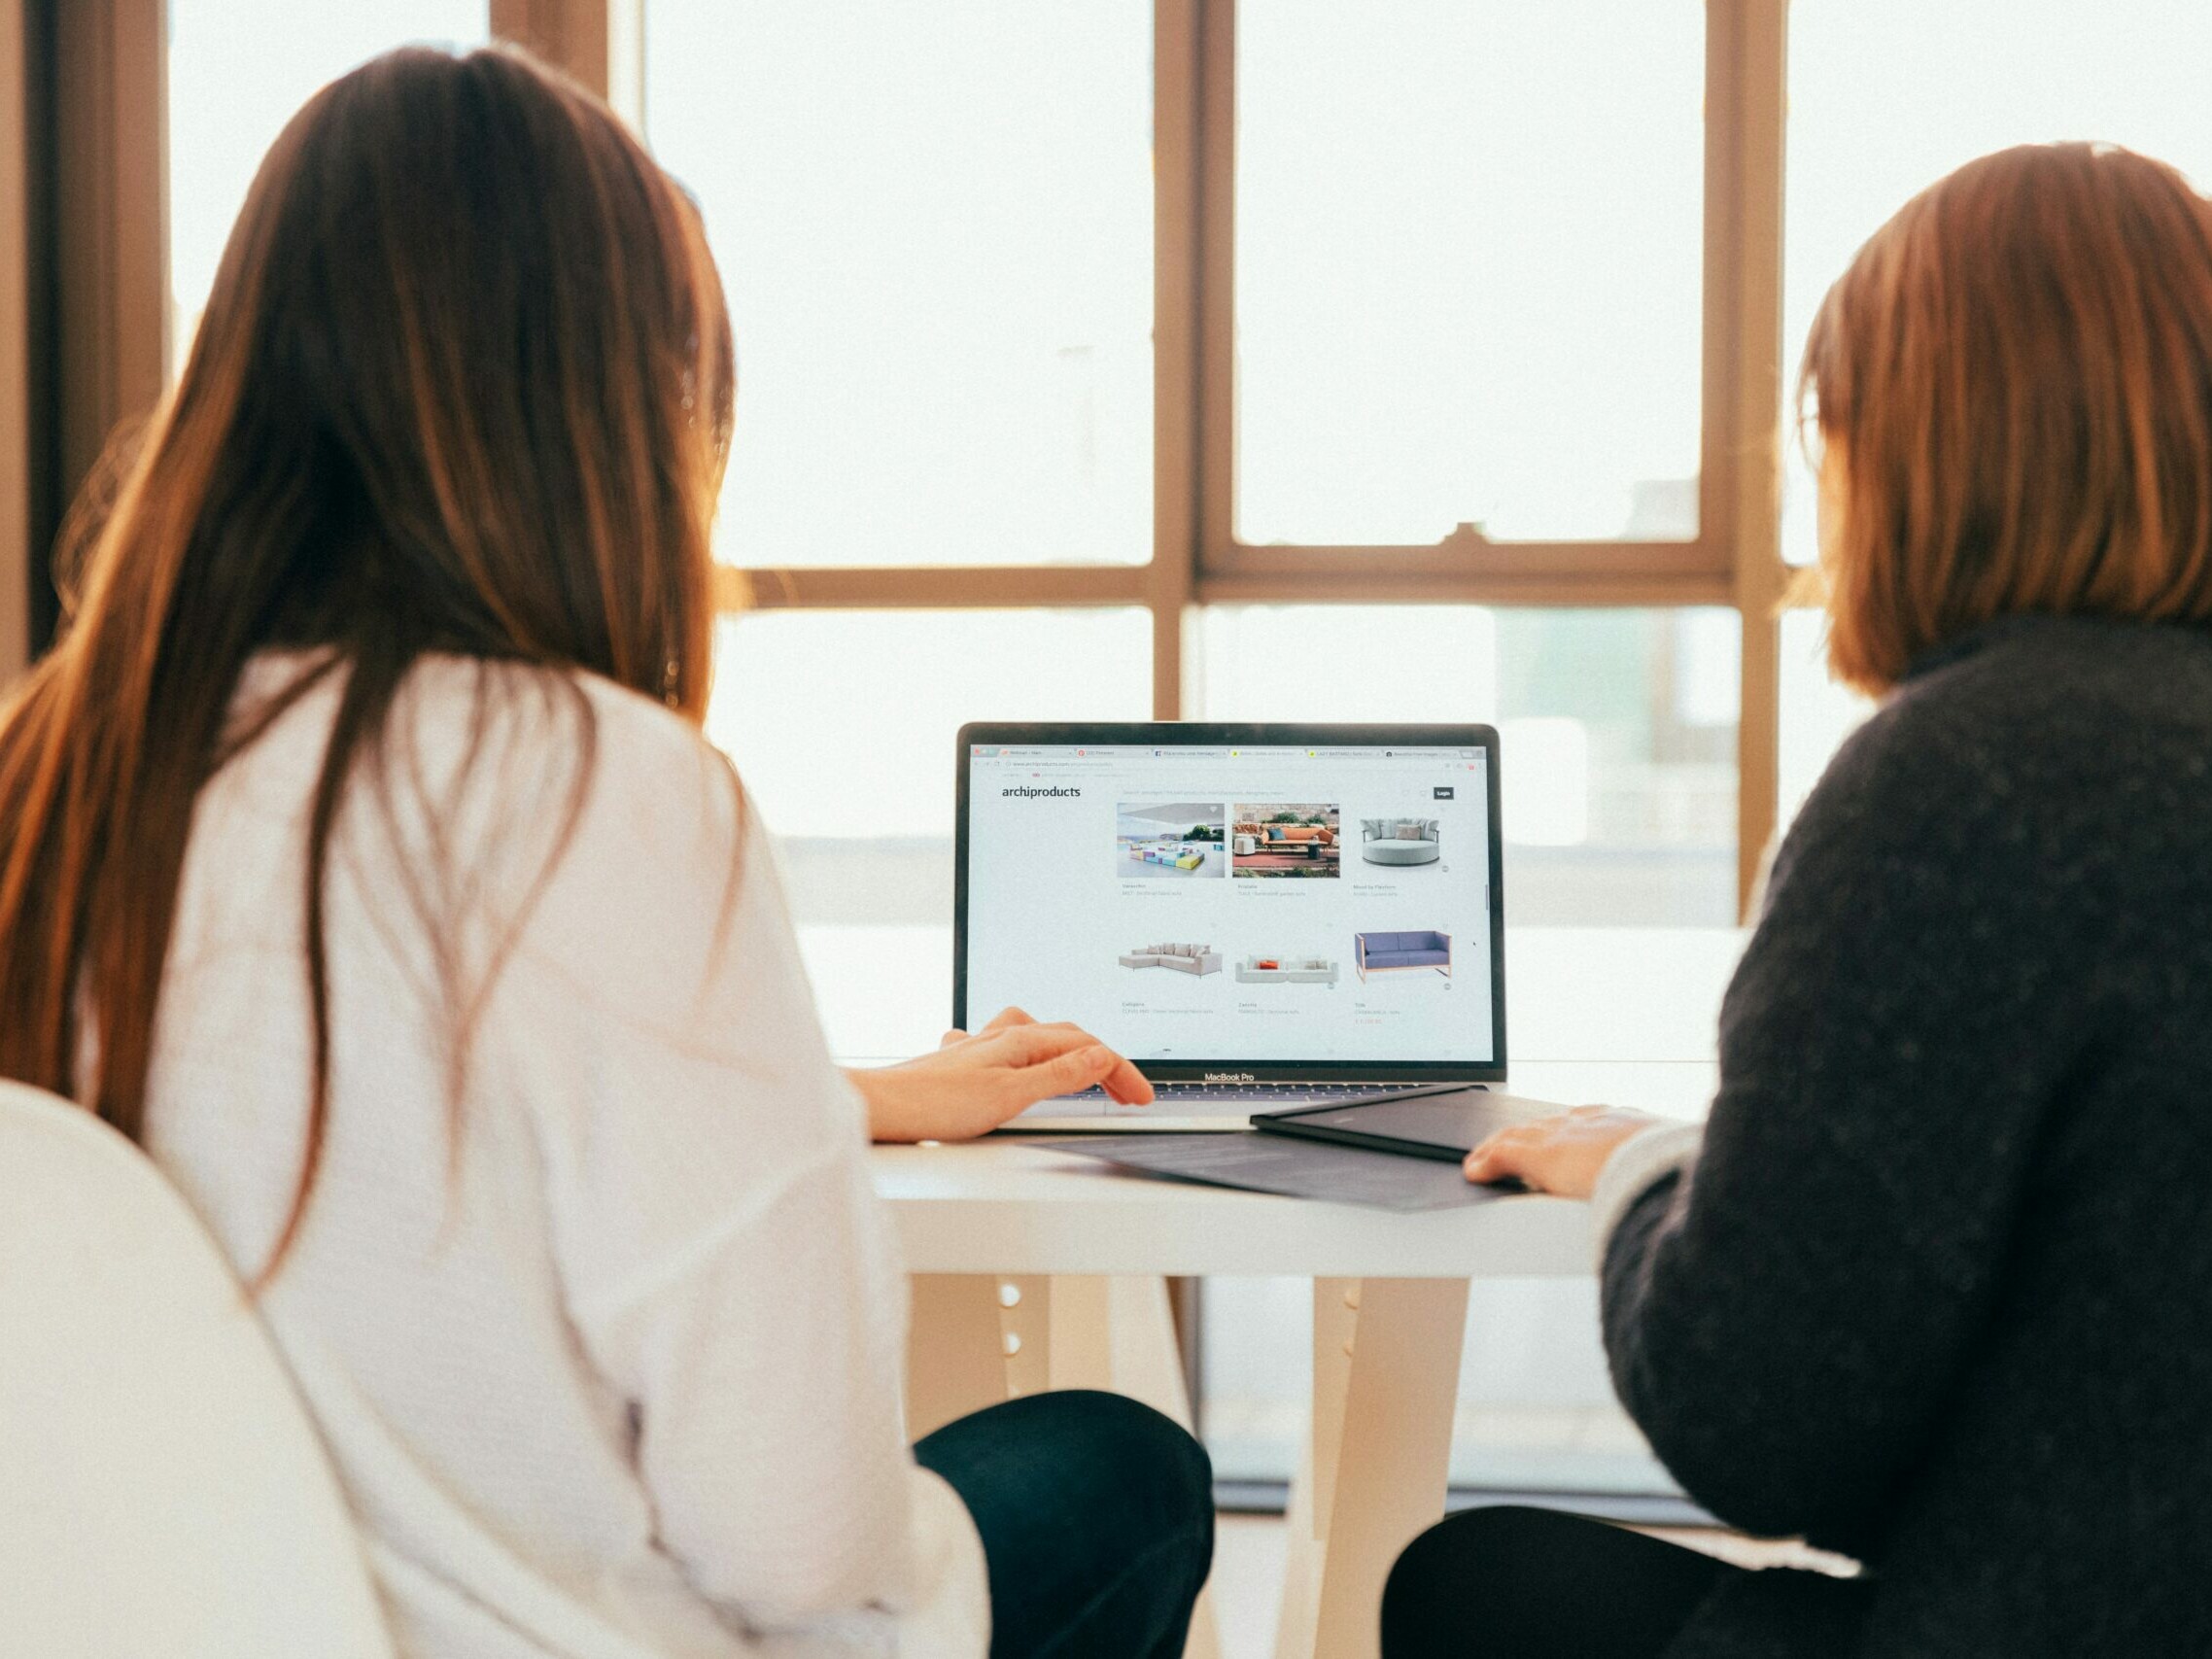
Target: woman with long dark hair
point(361, 856)
point(1929, 1286)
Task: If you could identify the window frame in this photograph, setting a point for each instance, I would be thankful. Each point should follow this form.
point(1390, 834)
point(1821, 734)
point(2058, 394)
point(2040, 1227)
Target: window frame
point(1692, 572)
point(1735, 561)
point(84, 292)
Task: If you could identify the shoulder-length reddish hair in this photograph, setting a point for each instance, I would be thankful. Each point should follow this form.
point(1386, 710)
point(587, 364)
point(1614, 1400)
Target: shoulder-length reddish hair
point(2016, 371)
point(464, 385)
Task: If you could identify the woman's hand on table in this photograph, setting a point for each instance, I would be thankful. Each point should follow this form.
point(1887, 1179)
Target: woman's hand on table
point(976, 1082)
point(1559, 1154)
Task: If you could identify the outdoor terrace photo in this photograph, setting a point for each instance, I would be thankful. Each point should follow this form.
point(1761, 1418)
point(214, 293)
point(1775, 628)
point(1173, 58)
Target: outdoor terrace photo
point(1289, 839)
point(1169, 840)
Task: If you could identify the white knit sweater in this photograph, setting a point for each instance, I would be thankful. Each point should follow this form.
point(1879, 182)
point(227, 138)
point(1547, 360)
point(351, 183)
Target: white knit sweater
point(606, 1341)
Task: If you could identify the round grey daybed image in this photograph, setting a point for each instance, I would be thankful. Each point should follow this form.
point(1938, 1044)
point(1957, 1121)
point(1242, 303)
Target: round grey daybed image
point(1399, 840)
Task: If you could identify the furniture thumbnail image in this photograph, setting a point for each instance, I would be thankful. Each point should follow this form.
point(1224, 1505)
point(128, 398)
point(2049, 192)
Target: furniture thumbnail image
point(1296, 970)
point(1170, 838)
point(1399, 840)
point(1183, 958)
point(1182, 857)
point(1289, 839)
point(1386, 953)
point(1303, 841)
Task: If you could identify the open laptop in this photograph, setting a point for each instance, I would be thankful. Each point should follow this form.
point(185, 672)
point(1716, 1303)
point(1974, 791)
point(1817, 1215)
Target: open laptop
point(1260, 915)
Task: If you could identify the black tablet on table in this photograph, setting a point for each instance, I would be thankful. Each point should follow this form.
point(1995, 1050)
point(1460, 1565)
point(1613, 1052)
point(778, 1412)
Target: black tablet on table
point(1445, 1124)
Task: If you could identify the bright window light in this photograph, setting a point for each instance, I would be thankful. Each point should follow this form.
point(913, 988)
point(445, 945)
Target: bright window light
point(935, 226)
point(238, 69)
point(1469, 269)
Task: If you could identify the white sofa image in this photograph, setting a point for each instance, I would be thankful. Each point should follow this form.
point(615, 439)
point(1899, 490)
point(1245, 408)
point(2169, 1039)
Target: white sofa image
point(1399, 840)
point(1297, 970)
point(1183, 958)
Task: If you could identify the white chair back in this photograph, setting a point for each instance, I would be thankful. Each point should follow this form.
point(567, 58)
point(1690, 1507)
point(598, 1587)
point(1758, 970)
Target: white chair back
point(162, 1489)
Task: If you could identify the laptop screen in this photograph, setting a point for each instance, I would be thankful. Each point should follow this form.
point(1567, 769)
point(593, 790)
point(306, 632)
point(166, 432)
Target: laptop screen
point(1273, 905)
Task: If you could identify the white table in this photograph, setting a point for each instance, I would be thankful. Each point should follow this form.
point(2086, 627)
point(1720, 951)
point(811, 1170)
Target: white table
point(1038, 1269)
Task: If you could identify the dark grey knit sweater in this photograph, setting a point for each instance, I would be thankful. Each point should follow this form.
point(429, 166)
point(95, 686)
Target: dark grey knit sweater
point(1938, 1292)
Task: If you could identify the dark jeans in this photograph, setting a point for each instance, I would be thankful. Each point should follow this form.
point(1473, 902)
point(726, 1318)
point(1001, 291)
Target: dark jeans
point(1097, 1521)
point(1519, 1583)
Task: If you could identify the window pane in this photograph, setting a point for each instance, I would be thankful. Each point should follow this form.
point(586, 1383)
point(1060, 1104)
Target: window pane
point(842, 724)
point(933, 224)
point(1468, 254)
point(1617, 727)
point(1885, 96)
point(237, 71)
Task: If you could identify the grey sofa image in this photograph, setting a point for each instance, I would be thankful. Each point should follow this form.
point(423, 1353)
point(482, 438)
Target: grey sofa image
point(1297, 970)
point(1181, 958)
point(1399, 840)
point(1387, 952)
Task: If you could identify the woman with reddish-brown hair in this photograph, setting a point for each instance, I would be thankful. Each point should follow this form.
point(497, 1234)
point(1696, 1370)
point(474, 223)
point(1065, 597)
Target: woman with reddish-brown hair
point(1929, 1287)
point(361, 856)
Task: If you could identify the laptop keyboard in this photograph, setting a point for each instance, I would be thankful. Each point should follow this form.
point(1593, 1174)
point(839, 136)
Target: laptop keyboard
point(1173, 1094)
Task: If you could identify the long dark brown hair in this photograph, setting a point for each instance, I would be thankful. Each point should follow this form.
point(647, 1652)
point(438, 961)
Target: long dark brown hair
point(463, 384)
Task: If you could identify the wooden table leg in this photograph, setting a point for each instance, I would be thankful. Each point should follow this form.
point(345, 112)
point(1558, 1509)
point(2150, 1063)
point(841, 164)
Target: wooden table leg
point(1117, 1335)
point(1148, 1365)
point(956, 1354)
point(1084, 1338)
point(976, 1339)
point(1025, 1317)
point(1386, 1385)
point(1335, 1307)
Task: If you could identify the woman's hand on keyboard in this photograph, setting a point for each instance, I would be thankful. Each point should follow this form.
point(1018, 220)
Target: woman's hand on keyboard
point(976, 1082)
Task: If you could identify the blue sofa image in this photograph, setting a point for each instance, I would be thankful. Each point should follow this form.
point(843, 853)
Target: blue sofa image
point(1380, 952)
